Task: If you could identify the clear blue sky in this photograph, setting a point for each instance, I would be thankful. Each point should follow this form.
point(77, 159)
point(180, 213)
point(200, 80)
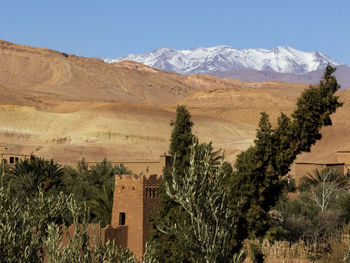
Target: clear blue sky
point(107, 28)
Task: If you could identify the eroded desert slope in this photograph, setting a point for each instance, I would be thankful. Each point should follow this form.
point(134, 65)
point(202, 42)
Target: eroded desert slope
point(66, 107)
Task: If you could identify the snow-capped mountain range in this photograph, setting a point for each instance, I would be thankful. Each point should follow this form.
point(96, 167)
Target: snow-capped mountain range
point(225, 58)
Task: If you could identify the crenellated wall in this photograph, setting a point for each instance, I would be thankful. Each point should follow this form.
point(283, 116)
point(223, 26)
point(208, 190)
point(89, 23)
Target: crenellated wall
point(135, 197)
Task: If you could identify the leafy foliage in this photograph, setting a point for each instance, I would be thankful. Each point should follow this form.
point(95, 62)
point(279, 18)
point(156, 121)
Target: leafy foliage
point(27, 228)
point(79, 249)
point(255, 183)
point(101, 204)
point(319, 176)
point(319, 212)
point(170, 247)
point(201, 194)
point(94, 185)
point(23, 227)
point(30, 175)
point(259, 169)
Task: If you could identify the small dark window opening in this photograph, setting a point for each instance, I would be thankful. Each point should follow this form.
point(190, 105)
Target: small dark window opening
point(4, 161)
point(16, 159)
point(121, 218)
point(12, 159)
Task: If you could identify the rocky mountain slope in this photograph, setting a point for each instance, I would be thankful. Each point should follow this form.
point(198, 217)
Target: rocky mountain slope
point(224, 58)
point(279, 64)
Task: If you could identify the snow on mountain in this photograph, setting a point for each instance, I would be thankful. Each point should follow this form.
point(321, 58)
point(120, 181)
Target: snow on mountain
point(224, 58)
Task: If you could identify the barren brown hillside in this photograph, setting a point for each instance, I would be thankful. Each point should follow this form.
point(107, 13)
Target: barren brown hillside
point(65, 107)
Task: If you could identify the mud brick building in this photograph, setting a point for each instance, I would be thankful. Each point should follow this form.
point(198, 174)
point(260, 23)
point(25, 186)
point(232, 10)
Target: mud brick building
point(11, 158)
point(342, 165)
point(135, 197)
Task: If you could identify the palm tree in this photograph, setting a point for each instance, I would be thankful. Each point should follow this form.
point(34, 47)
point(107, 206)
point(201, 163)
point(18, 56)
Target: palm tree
point(30, 175)
point(101, 203)
point(319, 176)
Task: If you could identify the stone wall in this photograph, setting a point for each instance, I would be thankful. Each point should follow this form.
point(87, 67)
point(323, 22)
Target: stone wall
point(118, 234)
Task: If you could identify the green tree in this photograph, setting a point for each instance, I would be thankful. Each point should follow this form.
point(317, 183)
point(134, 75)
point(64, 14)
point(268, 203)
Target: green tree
point(259, 169)
point(100, 204)
point(23, 226)
point(319, 176)
point(201, 194)
point(318, 213)
point(181, 136)
point(95, 186)
point(30, 175)
point(81, 248)
point(170, 247)
point(256, 182)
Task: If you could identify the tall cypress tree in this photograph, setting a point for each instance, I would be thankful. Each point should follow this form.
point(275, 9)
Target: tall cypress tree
point(169, 246)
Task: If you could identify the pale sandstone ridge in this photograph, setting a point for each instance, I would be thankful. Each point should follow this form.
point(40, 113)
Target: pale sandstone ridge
point(65, 107)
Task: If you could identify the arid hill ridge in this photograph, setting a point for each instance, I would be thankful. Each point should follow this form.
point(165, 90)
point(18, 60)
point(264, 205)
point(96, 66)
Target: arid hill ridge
point(67, 107)
point(36, 74)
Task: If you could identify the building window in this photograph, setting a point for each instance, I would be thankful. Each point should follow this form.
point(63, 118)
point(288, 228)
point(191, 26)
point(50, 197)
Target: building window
point(4, 161)
point(16, 159)
point(121, 218)
point(12, 159)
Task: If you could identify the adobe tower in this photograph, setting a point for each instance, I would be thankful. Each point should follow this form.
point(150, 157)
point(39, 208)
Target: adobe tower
point(135, 197)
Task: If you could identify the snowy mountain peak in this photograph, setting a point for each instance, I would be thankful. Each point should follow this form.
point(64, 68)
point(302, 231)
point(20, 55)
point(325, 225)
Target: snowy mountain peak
point(283, 59)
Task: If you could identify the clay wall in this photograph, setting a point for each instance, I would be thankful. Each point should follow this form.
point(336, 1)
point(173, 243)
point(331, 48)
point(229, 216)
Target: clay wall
point(135, 197)
point(343, 157)
point(2, 149)
point(150, 203)
point(146, 167)
point(13, 158)
point(118, 235)
point(302, 169)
